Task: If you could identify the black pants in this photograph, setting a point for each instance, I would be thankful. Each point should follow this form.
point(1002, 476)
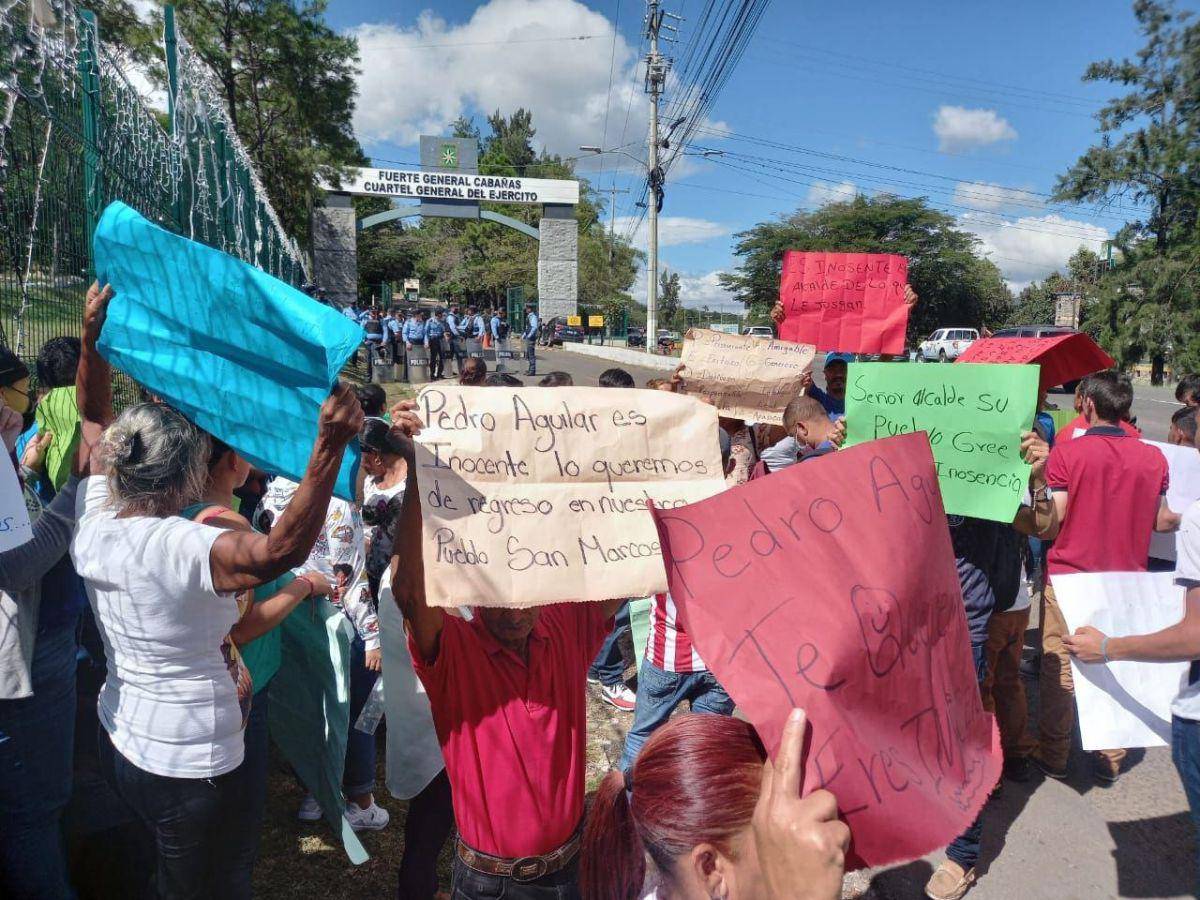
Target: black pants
point(429, 822)
point(435, 358)
point(194, 824)
point(472, 885)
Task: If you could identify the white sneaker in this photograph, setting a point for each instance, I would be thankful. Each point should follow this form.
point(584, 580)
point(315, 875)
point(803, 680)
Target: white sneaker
point(310, 810)
point(620, 696)
point(373, 818)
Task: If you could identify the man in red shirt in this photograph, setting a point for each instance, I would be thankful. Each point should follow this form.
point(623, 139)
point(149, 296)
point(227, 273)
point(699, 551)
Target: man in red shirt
point(1108, 492)
point(1080, 423)
point(508, 693)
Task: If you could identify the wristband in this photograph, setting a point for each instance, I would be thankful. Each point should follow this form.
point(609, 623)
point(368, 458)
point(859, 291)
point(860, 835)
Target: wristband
point(312, 587)
point(1104, 649)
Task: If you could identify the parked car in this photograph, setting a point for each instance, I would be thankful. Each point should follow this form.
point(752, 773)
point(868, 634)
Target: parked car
point(1028, 331)
point(760, 331)
point(946, 344)
point(668, 340)
point(635, 337)
point(570, 333)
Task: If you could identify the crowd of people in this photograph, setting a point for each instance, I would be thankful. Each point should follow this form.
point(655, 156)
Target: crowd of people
point(437, 334)
point(187, 566)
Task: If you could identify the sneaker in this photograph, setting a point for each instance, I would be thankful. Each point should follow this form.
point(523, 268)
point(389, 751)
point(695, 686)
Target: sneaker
point(593, 679)
point(1049, 771)
point(310, 810)
point(1018, 768)
point(949, 882)
point(619, 695)
point(373, 818)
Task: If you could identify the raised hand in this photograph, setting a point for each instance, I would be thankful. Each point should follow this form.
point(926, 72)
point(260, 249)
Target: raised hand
point(95, 309)
point(341, 416)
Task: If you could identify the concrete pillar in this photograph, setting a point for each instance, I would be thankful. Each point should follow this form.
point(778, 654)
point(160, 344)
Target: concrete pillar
point(558, 263)
point(335, 249)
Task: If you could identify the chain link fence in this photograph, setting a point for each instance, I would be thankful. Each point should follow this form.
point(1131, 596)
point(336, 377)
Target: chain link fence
point(75, 134)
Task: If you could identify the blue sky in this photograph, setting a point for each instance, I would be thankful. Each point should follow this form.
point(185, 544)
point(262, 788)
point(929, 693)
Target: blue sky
point(976, 105)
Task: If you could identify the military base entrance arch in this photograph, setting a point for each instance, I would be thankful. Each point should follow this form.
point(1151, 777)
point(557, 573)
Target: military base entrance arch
point(449, 185)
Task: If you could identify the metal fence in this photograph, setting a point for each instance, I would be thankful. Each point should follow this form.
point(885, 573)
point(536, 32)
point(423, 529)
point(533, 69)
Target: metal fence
point(76, 134)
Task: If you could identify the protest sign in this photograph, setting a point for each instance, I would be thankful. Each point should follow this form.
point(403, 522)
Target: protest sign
point(538, 496)
point(974, 416)
point(798, 592)
point(747, 377)
point(15, 527)
point(1183, 490)
point(244, 356)
point(1123, 704)
point(848, 302)
point(1063, 358)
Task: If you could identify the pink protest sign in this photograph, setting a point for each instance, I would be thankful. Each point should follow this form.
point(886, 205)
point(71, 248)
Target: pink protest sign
point(831, 586)
point(848, 302)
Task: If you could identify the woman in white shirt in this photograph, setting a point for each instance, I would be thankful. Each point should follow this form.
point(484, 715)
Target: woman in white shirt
point(163, 590)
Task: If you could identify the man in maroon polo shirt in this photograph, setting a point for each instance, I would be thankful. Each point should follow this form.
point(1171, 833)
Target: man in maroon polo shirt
point(508, 693)
point(1108, 492)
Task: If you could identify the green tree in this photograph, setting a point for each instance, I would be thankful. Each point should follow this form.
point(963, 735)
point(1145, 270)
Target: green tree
point(668, 299)
point(287, 79)
point(1146, 307)
point(956, 285)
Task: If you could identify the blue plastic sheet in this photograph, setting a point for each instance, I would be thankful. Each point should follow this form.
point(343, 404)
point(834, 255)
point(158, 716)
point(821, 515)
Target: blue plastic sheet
point(245, 356)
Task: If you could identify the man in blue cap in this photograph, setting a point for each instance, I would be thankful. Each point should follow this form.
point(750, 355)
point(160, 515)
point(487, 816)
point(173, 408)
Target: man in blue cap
point(833, 398)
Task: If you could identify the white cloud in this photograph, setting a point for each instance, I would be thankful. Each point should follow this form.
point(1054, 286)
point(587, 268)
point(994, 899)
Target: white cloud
point(405, 91)
point(959, 128)
point(696, 290)
point(823, 192)
point(992, 197)
point(1031, 247)
point(673, 231)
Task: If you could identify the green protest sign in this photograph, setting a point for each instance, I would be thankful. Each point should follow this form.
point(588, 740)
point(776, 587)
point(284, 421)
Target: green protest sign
point(974, 416)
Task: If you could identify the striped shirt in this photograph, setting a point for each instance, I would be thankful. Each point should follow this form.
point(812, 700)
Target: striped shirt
point(669, 647)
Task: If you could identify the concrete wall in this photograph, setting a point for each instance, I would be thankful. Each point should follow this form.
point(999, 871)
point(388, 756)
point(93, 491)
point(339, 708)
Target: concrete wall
point(625, 355)
point(558, 265)
point(335, 249)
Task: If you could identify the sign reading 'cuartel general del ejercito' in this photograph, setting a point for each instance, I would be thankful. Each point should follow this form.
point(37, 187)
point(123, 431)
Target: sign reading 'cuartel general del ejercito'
point(459, 186)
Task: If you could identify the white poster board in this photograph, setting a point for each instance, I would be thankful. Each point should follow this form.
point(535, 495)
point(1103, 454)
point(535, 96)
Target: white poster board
point(1123, 704)
point(15, 528)
point(1184, 490)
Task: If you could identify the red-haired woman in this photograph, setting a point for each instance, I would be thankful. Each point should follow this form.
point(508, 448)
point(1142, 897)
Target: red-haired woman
point(715, 817)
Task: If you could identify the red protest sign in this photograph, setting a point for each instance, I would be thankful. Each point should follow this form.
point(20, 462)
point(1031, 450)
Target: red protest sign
point(1063, 358)
point(831, 586)
point(848, 302)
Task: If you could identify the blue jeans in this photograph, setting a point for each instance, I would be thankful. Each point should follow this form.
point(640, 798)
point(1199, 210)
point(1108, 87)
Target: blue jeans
point(531, 355)
point(359, 775)
point(659, 693)
point(1185, 752)
point(471, 885)
point(964, 849)
point(37, 737)
point(192, 822)
point(609, 666)
point(251, 798)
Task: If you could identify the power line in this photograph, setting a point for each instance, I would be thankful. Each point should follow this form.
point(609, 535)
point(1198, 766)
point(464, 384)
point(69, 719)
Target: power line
point(612, 65)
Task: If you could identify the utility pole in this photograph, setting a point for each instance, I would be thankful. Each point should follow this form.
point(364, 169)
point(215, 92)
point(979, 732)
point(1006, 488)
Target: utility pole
point(656, 76)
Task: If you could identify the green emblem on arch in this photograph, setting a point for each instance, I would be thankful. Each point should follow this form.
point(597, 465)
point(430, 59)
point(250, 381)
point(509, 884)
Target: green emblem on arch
point(449, 157)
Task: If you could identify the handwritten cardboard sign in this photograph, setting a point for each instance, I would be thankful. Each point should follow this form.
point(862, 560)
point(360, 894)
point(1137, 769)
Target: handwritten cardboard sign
point(748, 377)
point(974, 416)
point(1126, 703)
point(849, 302)
point(534, 496)
point(15, 528)
point(1063, 358)
point(798, 592)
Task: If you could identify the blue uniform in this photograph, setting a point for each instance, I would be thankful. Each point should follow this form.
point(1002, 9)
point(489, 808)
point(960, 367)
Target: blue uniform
point(414, 331)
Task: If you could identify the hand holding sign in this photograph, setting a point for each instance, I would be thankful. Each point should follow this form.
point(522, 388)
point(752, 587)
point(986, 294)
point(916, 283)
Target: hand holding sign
point(797, 595)
point(848, 302)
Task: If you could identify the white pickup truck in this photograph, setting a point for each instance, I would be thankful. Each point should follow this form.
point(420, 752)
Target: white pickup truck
point(946, 344)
